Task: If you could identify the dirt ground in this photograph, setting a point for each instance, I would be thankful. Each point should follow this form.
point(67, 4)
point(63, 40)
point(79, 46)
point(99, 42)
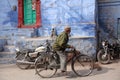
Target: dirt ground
point(12, 72)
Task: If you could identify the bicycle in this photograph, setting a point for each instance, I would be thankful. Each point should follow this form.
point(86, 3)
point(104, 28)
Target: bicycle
point(84, 62)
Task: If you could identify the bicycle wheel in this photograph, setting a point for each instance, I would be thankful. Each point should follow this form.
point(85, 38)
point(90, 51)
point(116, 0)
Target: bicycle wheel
point(21, 57)
point(43, 69)
point(82, 65)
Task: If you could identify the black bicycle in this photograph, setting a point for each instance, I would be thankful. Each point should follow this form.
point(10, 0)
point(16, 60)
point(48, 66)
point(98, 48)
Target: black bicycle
point(81, 64)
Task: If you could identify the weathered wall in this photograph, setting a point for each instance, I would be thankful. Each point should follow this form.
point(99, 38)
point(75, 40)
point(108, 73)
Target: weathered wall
point(79, 14)
point(8, 17)
point(2, 43)
point(9, 22)
point(109, 11)
point(86, 45)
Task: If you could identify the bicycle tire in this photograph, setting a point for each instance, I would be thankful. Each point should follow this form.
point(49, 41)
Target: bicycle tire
point(82, 65)
point(42, 68)
point(22, 65)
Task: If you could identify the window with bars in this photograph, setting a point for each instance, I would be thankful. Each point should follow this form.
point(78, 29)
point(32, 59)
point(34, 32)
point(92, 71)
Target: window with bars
point(29, 14)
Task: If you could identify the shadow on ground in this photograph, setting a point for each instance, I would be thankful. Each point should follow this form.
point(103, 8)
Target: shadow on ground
point(71, 74)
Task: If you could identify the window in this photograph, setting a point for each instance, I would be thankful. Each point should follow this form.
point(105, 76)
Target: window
point(29, 14)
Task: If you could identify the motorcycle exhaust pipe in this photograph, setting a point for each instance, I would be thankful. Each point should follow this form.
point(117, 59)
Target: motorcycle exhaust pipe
point(24, 62)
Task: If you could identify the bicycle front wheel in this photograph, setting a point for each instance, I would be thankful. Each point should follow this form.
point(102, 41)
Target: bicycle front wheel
point(43, 69)
point(82, 65)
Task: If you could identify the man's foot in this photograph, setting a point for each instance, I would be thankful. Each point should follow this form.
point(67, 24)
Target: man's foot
point(63, 71)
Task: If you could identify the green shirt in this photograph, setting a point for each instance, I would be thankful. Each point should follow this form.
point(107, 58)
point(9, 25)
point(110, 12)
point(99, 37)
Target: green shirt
point(61, 42)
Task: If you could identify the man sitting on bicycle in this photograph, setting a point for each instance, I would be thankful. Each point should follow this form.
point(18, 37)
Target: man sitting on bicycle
point(60, 44)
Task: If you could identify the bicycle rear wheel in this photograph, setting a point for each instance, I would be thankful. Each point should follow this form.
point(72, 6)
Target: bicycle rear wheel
point(21, 65)
point(43, 69)
point(82, 65)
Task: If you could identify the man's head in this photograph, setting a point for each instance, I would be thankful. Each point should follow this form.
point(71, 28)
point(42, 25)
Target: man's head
point(67, 29)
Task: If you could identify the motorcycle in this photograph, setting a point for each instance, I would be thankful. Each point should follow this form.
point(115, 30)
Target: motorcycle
point(108, 52)
point(27, 57)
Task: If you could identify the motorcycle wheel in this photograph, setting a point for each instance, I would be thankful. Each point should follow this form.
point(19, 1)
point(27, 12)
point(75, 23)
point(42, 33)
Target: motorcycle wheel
point(21, 57)
point(102, 58)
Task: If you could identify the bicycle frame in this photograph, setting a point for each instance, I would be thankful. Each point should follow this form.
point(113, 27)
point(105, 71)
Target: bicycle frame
point(72, 55)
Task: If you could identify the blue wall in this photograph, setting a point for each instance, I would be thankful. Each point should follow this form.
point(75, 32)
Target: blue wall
point(8, 17)
point(79, 14)
point(109, 11)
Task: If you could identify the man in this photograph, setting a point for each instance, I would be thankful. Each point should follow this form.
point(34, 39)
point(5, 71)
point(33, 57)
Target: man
point(61, 43)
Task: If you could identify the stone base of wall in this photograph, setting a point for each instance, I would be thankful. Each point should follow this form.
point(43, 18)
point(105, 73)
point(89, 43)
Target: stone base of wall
point(86, 45)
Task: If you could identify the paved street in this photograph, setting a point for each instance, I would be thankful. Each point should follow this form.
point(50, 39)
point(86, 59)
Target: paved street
point(12, 72)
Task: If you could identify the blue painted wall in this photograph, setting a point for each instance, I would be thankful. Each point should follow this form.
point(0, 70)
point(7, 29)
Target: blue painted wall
point(8, 17)
point(109, 11)
point(79, 14)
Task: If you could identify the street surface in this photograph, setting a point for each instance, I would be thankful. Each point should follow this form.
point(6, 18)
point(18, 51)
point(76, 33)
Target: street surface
point(12, 72)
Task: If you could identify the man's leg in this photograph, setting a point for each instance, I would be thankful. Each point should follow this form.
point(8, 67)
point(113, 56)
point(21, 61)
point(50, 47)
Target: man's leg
point(63, 58)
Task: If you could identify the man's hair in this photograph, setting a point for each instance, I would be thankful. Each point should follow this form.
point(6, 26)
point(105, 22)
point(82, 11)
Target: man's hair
point(67, 28)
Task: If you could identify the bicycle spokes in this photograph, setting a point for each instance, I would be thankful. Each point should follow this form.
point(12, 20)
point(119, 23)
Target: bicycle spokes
point(82, 65)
